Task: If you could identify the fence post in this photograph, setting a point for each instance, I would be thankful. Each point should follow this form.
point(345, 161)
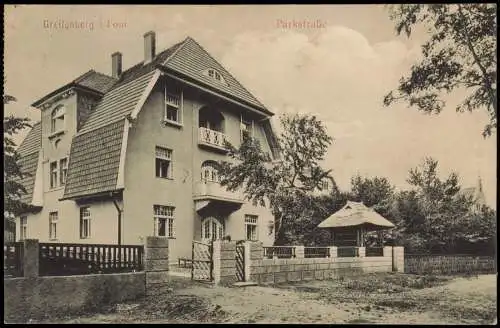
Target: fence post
point(398, 254)
point(362, 251)
point(299, 252)
point(333, 251)
point(31, 258)
point(156, 264)
point(216, 259)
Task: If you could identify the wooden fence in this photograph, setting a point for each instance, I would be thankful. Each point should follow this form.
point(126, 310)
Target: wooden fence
point(449, 264)
point(71, 259)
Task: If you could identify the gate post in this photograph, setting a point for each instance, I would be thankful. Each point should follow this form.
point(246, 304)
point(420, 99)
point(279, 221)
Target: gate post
point(246, 260)
point(31, 258)
point(156, 265)
point(216, 261)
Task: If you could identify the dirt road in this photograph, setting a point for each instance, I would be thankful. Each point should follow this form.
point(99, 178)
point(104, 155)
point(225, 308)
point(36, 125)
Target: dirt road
point(389, 300)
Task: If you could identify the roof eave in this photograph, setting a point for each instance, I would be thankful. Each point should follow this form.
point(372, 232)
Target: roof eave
point(107, 193)
point(261, 110)
point(70, 85)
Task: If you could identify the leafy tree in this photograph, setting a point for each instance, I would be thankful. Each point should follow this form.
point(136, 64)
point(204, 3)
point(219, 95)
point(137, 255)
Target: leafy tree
point(479, 232)
point(459, 54)
point(13, 189)
point(443, 210)
point(374, 192)
point(284, 185)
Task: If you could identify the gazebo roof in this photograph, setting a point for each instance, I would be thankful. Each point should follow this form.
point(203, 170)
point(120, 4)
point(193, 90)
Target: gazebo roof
point(356, 214)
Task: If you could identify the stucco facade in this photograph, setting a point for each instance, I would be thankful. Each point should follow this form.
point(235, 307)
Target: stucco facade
point(136, 186)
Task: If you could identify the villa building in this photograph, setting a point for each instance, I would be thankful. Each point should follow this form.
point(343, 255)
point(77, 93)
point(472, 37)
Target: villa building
point(115, 158)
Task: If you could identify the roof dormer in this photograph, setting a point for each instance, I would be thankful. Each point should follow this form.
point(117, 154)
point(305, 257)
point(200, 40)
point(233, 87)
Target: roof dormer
point(214, 75)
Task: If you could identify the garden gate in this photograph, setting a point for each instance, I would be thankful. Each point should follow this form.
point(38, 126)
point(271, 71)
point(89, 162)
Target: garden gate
point(202, 261)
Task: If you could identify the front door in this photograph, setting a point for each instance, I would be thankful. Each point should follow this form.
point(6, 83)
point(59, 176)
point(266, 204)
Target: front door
point(212, 229)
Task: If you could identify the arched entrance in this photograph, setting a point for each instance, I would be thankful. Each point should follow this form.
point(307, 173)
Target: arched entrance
point(212, 229)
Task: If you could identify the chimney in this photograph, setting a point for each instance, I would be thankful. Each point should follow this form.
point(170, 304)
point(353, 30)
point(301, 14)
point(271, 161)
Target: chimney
point(149, 46)
point(116, 64)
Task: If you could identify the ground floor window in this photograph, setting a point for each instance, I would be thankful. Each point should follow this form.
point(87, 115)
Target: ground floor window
point(85, 223)
point(53, 219)
point(251, 227)
point(164, 221)
point(23, 231)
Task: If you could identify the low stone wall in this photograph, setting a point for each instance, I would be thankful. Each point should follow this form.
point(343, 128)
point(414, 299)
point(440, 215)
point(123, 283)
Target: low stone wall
point(34, 297)
point(448, 264)
point(271, 271)
point(282, 270)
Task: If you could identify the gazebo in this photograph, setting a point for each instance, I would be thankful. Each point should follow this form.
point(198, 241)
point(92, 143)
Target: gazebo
point(349, 224)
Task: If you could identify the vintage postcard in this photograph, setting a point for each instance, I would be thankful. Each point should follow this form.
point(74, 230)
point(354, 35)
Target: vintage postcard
point(329, 164)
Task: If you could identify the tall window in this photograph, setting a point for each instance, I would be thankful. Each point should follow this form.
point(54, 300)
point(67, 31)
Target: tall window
point(57, 119)
point(173, 106)
point(53, 174)
point(245, 128)
point(63, 165)
point(53, 225)
point(23, 231)
point(164, 221)
point(251, 227)
point(163, 163)
point(210, 172)
point(85, 220)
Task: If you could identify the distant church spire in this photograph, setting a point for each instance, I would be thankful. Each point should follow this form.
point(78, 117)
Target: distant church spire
point(479, 183)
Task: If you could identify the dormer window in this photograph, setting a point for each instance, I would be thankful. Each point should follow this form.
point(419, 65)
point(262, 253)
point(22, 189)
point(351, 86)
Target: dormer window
point(214, 74)
point(57, 119)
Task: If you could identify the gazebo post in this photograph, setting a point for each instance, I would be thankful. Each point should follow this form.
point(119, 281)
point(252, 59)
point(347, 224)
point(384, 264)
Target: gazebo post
point(332, 237)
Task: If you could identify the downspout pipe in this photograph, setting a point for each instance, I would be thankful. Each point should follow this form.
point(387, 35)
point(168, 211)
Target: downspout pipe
point(119, 211)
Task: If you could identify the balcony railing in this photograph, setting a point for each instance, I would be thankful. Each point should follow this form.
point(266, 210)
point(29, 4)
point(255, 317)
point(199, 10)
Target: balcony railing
point(214, 189)
point(212, 137)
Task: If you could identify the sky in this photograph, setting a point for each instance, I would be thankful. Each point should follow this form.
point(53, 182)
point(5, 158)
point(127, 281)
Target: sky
point(337, 66)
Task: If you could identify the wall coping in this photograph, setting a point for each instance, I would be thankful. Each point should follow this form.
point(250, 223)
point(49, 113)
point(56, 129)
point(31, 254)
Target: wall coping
point(79, 275)
point(322, 260)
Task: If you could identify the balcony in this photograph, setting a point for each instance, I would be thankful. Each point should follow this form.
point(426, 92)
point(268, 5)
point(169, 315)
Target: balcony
point(212, 139)
point(211, 196)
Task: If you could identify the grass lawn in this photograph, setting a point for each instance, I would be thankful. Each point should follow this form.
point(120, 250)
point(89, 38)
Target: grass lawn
point(371, 298)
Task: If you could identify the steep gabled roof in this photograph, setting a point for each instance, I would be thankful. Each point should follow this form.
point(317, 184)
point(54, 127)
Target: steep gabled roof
point(95, 150)
point(192, 60)
point(119, 102)
point(94, 161)
point(28, 151)
point(91, 80)
point(96, 81)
